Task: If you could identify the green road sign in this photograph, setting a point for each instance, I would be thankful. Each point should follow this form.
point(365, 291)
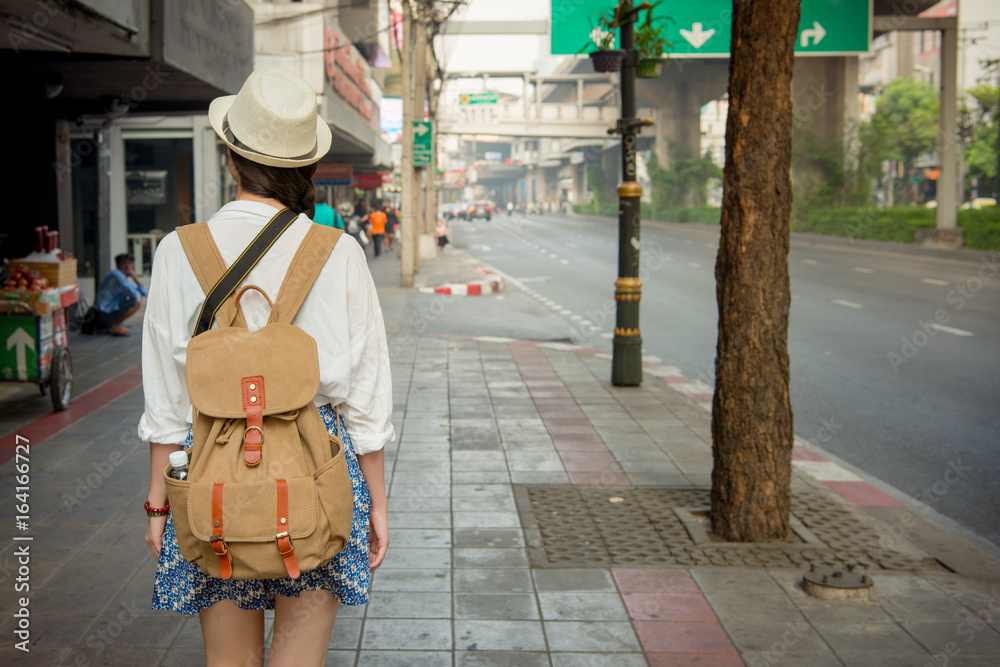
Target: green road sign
point(423, 132)
point(826, 27)
point(477, 98)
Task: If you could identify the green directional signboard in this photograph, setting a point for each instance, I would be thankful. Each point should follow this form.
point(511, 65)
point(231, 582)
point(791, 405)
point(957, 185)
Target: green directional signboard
point(423, 132)
point(826, 27)
point(18, 349)
point(477, 98)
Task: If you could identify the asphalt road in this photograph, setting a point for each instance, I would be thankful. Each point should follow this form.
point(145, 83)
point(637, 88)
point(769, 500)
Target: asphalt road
point(894, 357)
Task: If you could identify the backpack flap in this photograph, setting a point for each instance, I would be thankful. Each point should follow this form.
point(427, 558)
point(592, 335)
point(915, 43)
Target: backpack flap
point(250, 510)
point(219, 360)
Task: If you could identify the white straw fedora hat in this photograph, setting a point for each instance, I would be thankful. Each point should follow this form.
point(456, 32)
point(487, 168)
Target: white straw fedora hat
point(272, 120)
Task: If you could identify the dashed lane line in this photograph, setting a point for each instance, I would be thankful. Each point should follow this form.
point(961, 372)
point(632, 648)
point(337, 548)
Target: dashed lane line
point(847, 304)
point(863, 269)
point(934, 281)
point(946, 329)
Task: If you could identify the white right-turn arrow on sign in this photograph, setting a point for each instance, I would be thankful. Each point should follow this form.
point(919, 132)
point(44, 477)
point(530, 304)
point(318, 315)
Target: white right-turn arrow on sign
point(816, 32)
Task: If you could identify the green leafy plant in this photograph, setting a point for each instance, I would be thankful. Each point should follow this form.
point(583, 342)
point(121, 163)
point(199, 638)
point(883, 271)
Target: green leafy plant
point(649, 39)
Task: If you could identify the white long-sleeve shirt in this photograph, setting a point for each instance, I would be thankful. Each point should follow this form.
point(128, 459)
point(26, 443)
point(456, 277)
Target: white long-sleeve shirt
point(341, 313)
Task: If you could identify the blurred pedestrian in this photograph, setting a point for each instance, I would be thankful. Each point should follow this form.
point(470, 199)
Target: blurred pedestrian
point(274, 141)
point(376, 224)
point(118, 297)
point(391, 224)
point(441, 230)
point(325, 214)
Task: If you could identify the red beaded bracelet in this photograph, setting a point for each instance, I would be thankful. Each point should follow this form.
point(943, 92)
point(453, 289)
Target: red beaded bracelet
point(156, 511)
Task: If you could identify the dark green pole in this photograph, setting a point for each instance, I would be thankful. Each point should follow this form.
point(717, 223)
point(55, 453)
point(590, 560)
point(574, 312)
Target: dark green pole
point(626, 355)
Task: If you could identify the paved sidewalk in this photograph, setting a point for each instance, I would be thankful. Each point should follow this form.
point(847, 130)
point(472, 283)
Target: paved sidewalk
point(538, 516)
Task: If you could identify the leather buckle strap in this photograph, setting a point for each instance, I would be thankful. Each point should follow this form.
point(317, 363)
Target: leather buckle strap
point(283, 539)
point(218, 543)
point(253, 404)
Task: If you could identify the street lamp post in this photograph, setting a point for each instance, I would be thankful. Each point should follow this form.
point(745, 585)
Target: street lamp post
point(626, 356)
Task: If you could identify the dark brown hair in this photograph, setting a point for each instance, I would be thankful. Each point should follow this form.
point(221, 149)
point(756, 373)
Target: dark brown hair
point(292, 186)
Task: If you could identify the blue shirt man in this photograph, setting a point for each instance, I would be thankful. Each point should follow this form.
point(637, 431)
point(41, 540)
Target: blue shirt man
point(325, 215)
point(118, 296)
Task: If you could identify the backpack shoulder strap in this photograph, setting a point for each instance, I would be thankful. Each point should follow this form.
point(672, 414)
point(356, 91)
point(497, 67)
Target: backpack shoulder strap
point(305, 267)
point(208, 266)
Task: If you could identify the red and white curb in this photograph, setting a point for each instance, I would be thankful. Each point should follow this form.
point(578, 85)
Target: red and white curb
point(490, 285)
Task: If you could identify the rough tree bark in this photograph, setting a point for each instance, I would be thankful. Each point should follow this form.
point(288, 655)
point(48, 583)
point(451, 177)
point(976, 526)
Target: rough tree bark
point(751, 411)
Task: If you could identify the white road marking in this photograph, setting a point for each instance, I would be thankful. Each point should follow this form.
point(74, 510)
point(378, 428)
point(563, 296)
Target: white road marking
point(564, 261)
point(848, 304)
point(811, 262)
point(695, 265)
point(607, 335)
point(576, 318)
point(565, 311)
point(572, 245)
point(934, 281)
point(863, 269)
point(587, 323)
point(951, 330)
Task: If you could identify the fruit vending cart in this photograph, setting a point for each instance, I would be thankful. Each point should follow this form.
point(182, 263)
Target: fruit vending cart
point(34, 344)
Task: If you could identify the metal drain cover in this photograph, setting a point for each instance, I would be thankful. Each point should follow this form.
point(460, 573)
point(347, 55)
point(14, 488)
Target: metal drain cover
point(838, 583)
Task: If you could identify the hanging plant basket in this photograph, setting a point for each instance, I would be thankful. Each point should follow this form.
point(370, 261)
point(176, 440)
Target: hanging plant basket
point(649, 68)
point(607, 60)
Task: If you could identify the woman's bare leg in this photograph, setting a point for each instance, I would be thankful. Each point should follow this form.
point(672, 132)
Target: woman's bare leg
point(302, 628)
point(233, 637)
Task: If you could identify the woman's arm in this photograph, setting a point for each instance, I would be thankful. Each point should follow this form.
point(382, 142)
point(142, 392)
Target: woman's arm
point(158, 459)
point(373, 468)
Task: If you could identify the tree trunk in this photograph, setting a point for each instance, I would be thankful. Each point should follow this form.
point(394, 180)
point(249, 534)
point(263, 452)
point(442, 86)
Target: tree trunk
point(751, 411)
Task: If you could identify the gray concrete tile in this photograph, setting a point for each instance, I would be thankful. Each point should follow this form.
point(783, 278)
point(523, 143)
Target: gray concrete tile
point(868, 638)
point(493, 580)
point(523, 477)
point(509, 519)
point(481, 491)
point(113, 657)
point(862, 659)
point(401, 659)
point(420, 538)
point(499, 635)
point(409, 605)
point(488, 538)
point(346, 633)
point(423, 504)
point(582, 607)
point(486, 558)
point(488, 477)
point(821, 657)
point(925, 608)
point(735, 580)
point(971, 637)
point(731, 607)
point(422, 479)
point(496, 607)
point(182, 657)
point(413, 635)
point(399, 490)
point(388, 579)
point(479, 465)
point(598, 660)
point(419, 520)
point(494, 504)
point(419, 559)
point(759, 633)
point(846, 612)
point(591, 637)
point(575, 580)
point(501, 659)
point(125, 631)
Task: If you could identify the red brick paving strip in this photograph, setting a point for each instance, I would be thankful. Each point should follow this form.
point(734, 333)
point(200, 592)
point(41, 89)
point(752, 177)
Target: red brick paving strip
point(587, 459)
point(46, 426)
point(674, 622)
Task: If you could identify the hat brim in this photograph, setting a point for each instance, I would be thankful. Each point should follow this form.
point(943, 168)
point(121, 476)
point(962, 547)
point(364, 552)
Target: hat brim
point(217, 112)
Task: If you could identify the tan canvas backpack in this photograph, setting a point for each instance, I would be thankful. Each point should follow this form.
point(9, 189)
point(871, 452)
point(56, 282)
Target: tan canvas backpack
point(268, 493)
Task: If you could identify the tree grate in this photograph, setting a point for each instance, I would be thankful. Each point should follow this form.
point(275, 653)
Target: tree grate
point(658, 527)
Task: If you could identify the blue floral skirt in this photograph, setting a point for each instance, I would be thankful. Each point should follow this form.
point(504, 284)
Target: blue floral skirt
point(181, 586)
